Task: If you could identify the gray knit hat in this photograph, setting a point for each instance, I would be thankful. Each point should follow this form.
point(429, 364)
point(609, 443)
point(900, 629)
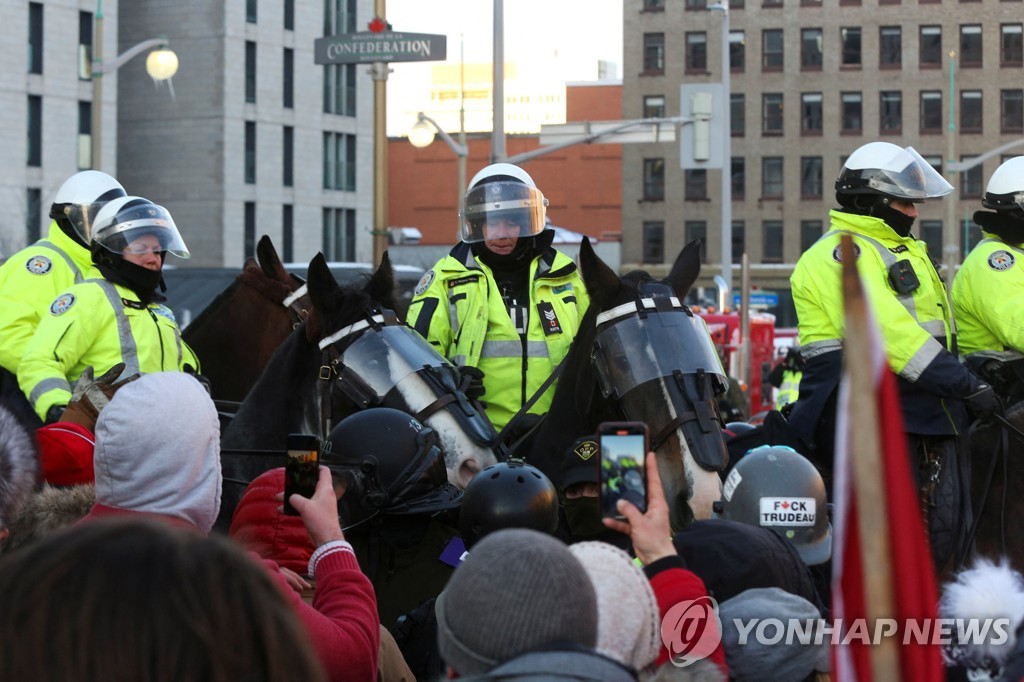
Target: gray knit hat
point(518, 590)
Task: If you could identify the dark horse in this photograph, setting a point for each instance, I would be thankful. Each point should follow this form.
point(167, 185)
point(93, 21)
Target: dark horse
point(641, 354)
point(353, 352)
point(237, 333)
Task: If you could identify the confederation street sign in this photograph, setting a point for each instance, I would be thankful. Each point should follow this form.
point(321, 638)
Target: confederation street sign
point(388, 46)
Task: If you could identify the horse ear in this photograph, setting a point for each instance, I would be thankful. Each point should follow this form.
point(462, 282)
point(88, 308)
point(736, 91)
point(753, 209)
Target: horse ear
point(596, 274)
point(686, 269)
point(270, 262)
point(320, 283)
point(381, 287)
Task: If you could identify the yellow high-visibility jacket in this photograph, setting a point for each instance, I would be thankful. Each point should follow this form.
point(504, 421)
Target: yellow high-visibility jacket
point(988, 291)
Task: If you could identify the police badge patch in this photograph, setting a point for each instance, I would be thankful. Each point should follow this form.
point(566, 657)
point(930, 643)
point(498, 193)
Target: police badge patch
point(585, 450)
point(425, 281)
point(62, 303)
point(1001, 260)
point(39, 265)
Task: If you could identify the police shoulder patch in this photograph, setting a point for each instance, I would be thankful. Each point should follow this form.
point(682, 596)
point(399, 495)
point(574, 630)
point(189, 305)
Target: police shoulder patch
point(1001, 260)
point(62, 304)
point(39, 265)
point(425, 281)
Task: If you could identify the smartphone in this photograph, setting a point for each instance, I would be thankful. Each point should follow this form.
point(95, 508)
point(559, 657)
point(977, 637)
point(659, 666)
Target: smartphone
point(301, 468)
point(624, 448)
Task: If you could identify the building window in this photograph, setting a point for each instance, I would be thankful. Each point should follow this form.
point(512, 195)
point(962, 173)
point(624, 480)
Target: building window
point(288, 79)
point(771, 240)
point(35, 131)
point(771, 113)
point(851, 113)
point(288, 156)
point(738, 170)
point(289, 15)
point(654, 5)
point(810, 113)
point(654, 106)
point(249, 231)
point(810, 49)
point(1011, 107)
point(771, 50)
point(33, 214)
point(340, 89)
point(654, 242)
point(654, 53)
point(810, 177)
point(287, 232)
point(340, 161)
point(84, 46)
point(84, 135)
point(737, 114)
point(339, 17)
point(737, 51)
point(935, 162)
point(695, 184)
point(810, 232)
point(339, 234)
point(696, 52)
point(771, 177)
point(890, 47)
point(250, 71)
point(970, 111)
point(890, 112)
point(35, 37)
point(654, 179)
point(971, 180)
point(696, 4)
point(250, 152)
point(250, 11)
point(697, 229)
point(1011, 45)
point(931, 235)
point(739, 241)
point(970, 46)
point(850, 40)
point(931, 111)
point(931, 47)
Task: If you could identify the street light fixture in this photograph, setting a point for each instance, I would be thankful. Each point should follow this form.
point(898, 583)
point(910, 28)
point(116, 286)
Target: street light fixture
point(422, 135)
point(161, 64)
point(726, 190)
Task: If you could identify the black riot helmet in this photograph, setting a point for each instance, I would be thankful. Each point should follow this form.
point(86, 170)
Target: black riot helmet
point(390, 465)
point(510, 494)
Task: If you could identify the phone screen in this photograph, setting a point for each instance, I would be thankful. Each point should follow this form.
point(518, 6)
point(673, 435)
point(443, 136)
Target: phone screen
point(301, 468)
point(623, 475)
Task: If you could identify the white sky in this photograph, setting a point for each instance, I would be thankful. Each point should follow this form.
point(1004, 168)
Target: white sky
point(567, 36)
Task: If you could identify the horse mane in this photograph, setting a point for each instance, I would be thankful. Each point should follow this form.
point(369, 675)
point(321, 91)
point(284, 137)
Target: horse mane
point(252, 275)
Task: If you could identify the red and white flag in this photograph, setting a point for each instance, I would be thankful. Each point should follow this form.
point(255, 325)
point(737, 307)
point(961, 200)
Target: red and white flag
point(881, 562)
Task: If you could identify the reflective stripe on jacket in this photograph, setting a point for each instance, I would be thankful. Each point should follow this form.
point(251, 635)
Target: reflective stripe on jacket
point(987, 294)
point(457, 307)
point(789, 390)
point(99, 324)
point(29, 281)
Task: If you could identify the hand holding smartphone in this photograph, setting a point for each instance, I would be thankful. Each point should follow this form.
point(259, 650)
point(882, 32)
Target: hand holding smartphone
point(624, 448)
point(301, 468)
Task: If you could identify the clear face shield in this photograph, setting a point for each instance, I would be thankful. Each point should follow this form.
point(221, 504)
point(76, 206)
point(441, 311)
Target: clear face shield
point(632, 350)
point(383, 358)
point(500, 210)
point(82, 217)
point(907, 175)
point(127, 233)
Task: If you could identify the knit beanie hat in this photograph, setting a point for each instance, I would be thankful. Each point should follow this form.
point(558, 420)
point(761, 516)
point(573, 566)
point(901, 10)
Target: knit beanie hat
point(519, 590)
point(782, 661)
point(628, 620)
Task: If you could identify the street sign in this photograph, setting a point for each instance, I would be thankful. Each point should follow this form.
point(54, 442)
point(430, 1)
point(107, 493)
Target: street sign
point(761, 299)
point(365, 47)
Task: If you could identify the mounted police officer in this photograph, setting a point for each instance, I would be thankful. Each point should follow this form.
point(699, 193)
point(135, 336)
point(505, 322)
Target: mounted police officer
point(503, 302)
point(34, 276)
point(878, 189)
point(114, 315)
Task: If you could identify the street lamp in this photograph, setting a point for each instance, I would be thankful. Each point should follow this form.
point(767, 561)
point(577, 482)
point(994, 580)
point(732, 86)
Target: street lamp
point(161, 64)
point(950, 248)
point(422, 135)
point(726, 191)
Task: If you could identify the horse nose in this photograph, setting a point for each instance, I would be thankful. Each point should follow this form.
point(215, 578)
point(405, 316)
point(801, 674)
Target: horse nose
point(467, 470)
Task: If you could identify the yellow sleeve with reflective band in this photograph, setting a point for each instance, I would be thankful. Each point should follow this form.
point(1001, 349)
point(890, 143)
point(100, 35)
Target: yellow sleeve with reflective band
point(987, 294)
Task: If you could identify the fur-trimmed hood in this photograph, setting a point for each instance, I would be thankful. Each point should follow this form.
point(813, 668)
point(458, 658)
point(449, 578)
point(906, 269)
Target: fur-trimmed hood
point(48, 510)
point(19, 466)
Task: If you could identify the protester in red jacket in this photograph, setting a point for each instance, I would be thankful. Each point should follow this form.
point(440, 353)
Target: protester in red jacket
point(261, 527)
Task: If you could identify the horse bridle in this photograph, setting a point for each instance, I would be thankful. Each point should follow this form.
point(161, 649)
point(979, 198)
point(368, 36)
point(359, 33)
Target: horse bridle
point(298, 312)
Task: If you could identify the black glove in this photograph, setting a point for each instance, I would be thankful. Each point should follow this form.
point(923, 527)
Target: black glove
point(984, 403)
point(472, 382)
point(54, 414)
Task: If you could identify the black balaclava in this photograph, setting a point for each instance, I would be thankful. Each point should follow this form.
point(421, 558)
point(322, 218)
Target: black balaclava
point(876, 206)
point(1007, 225)
point(142, 281)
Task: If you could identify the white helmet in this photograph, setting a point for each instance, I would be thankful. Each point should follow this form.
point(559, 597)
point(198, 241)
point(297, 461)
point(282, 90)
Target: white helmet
point(885, 169)
point(502, 191)
point(123, 220)
point(80, 198)
point(1005, 189)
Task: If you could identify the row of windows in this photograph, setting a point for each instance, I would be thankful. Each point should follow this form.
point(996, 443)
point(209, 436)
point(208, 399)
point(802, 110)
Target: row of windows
point(772, 238)
point(36, 41)
point(339, 82)
point(812, 41)
point(339, 158)
point(289, 13)
point(338, 238)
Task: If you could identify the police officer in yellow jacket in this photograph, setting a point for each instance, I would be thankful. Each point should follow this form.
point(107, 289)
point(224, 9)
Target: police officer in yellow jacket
point(503, 301)
point(114, 314)
point(877, 190)
point(988, 290)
